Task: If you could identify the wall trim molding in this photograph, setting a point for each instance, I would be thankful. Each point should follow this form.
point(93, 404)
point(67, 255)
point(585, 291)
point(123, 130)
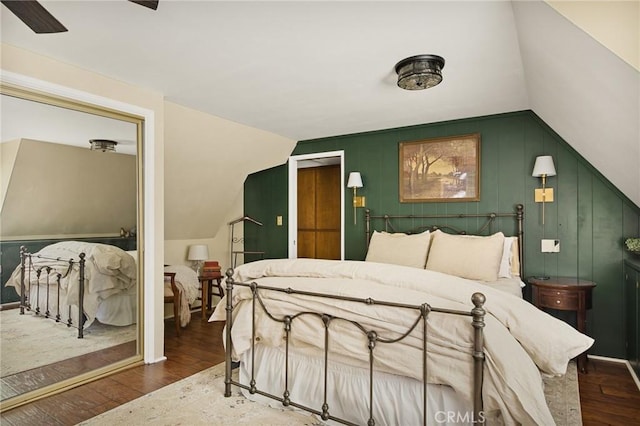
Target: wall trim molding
point(293, 198)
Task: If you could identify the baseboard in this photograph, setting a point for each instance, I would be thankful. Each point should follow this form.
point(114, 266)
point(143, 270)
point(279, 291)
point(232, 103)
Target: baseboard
point(160, 359)
point(10, 305)
point(619, 361)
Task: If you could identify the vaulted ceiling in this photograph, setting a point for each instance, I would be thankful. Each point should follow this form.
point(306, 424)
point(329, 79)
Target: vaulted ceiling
point(304, 70)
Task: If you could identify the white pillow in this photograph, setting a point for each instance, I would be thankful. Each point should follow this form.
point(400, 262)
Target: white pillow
point(515, 258)
point(466, 256)
point(510, 263)
point(399, 249)
point(505, 262)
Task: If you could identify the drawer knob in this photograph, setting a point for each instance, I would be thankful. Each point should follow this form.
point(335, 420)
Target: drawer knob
point(558, 302)
point(558, 293)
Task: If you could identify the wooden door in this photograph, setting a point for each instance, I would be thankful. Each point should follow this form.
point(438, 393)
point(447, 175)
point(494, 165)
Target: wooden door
point(319, 212)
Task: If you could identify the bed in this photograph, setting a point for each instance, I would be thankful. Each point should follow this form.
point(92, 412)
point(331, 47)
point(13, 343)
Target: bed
point(394, 339)
point(77, 282)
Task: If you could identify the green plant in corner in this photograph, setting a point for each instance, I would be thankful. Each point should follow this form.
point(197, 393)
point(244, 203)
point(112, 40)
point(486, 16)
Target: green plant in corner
point(633, 245)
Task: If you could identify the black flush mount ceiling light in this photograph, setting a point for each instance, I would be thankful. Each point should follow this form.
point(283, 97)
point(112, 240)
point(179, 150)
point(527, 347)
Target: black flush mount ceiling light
point(104, 145)
point(420, 72)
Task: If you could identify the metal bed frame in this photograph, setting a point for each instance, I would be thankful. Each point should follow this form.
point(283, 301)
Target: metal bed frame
point(486, 227)
point(422, 316)
point(27, 268)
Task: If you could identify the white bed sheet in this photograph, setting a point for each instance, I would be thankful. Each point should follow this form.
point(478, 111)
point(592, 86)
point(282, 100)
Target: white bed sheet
point(119, 309)
point(346, 383)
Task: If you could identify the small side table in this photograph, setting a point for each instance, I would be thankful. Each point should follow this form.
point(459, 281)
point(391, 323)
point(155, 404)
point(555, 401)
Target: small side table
point(565, 294)
point(207, 283)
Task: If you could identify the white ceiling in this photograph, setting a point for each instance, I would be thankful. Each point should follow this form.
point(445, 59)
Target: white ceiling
point(306, 70)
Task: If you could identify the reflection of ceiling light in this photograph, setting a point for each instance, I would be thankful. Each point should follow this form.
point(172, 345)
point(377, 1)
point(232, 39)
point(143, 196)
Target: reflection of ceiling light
point(420, 72)
point(104, 145)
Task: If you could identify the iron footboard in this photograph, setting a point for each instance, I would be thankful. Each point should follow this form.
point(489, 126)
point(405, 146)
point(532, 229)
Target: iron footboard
point(53, 272)
point(422, 314)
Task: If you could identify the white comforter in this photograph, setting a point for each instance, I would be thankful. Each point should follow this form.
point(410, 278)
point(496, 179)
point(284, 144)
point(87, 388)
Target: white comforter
point(520, 340)
point(109, 270)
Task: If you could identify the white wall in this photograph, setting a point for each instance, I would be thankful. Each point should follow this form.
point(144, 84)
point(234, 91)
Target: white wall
point(207, 160)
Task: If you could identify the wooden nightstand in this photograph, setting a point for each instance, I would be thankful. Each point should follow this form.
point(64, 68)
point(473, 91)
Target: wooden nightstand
point(207, 283)
point(565, 294)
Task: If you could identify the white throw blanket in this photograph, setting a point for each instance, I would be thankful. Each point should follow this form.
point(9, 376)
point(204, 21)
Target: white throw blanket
point(520, 340)
point(188, 284)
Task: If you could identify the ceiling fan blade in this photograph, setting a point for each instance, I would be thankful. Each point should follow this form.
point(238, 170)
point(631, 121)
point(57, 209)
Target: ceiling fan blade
point(35, 16)
point(151, 4)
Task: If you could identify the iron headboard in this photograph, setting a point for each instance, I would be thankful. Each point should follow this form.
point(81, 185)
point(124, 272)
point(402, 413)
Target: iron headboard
point(486, 228)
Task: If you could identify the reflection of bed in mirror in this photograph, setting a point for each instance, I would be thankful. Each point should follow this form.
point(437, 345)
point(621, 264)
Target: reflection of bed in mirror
point(66, 278)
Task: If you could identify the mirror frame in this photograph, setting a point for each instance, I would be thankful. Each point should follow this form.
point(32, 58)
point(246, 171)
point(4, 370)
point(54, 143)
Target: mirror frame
point(47, 93)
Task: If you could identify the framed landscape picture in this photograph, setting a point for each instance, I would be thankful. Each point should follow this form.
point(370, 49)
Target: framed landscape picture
point(442, 169)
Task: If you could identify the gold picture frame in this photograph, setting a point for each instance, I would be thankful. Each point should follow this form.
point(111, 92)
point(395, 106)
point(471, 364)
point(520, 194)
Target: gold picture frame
point(440, 170)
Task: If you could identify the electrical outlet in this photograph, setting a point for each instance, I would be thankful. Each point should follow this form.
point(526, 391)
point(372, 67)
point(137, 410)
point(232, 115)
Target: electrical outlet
point(550, 246)
point(278, 220)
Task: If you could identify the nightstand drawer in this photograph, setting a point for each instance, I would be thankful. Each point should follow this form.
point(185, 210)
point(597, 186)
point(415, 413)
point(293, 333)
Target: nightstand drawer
point(558, 299)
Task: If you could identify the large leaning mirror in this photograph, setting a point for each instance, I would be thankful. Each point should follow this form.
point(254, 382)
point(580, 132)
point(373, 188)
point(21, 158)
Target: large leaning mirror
point(62, 195)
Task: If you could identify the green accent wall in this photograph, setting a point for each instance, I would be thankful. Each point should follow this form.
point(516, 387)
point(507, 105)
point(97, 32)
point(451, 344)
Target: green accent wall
point(589, 216)
point(265, 198)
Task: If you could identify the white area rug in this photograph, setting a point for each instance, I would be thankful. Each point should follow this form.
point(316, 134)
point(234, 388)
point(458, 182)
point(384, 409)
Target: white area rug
point(29, 341)
point(199, 400)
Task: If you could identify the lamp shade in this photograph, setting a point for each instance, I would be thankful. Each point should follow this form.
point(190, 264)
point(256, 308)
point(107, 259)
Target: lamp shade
point(198, 252)
point(355, 180)
point(544, 166)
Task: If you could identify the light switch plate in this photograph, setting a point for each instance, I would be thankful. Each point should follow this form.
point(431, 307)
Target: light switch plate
point(550, 246)
point(278, 220)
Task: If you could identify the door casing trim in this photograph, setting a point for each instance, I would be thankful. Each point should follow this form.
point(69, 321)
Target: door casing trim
point(294, 161)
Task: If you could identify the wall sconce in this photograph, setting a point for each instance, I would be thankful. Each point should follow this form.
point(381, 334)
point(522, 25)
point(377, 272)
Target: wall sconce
point(544, 167)
point(198, 253)
point(355, 182)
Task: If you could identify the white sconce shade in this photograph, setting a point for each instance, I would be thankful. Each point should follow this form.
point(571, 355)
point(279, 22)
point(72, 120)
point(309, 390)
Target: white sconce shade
point(544, 166)
point(198, 252)
point(355, 180)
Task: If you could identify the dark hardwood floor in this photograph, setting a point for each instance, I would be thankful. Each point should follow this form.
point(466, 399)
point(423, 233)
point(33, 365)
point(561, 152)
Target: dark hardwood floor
point(36, 378)
point(608, 394)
